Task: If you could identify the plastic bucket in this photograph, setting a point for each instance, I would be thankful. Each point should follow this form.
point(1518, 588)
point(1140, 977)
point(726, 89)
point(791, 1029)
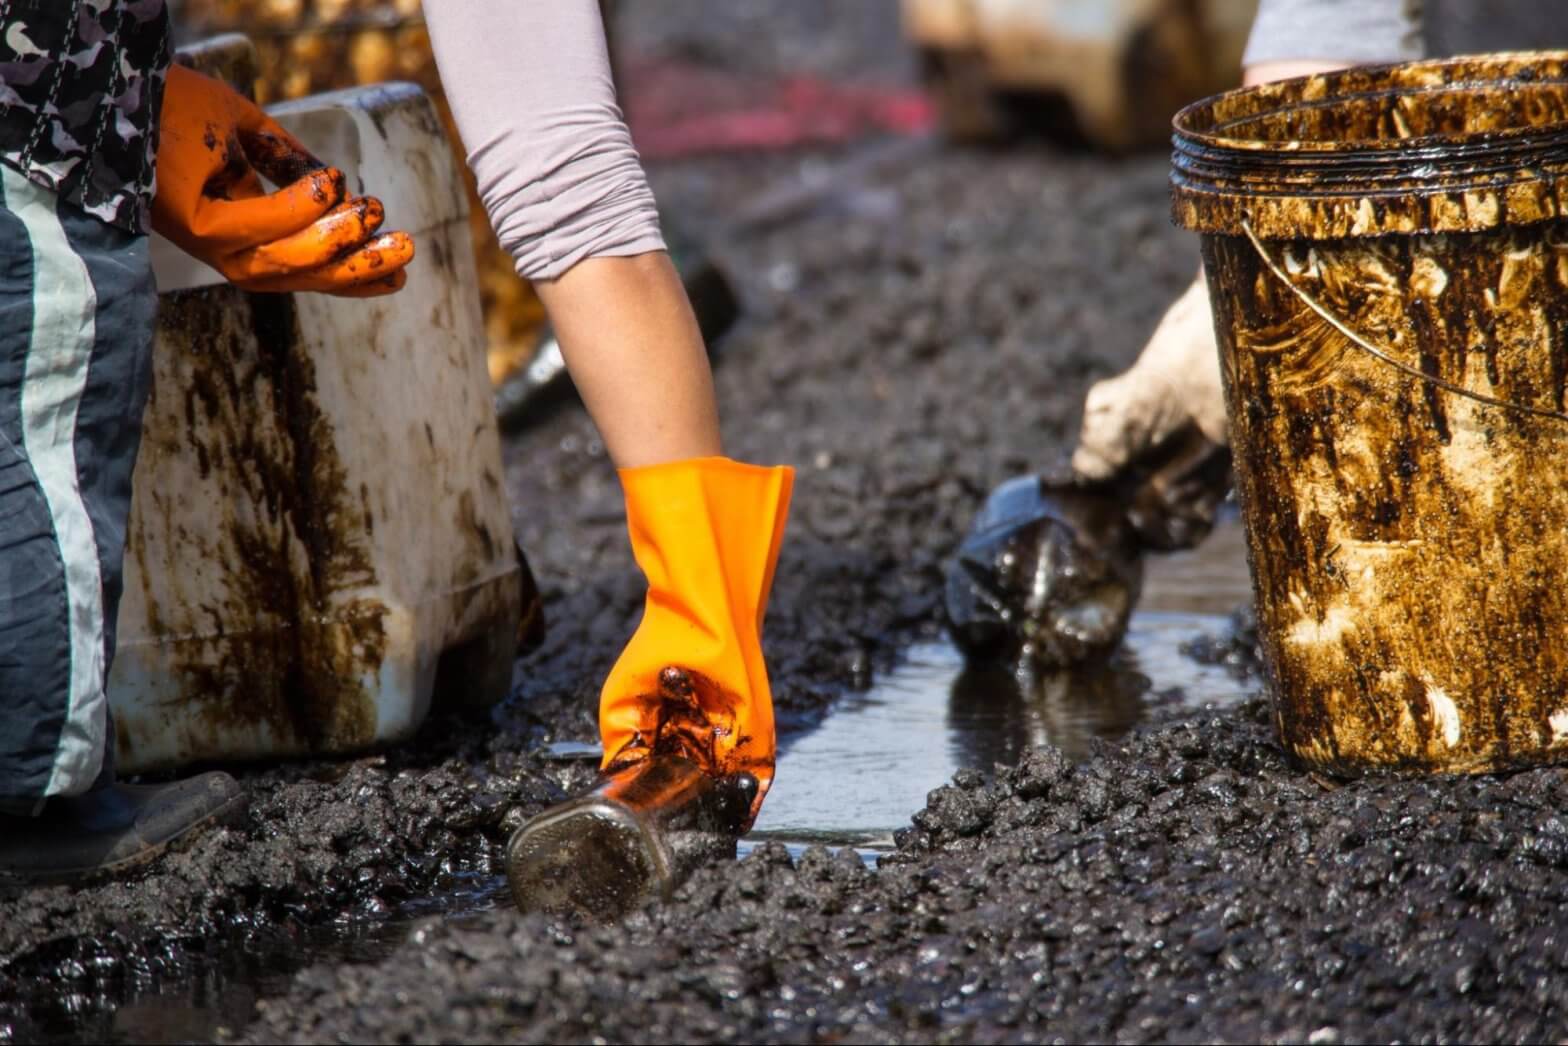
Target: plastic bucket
point(1388, 270)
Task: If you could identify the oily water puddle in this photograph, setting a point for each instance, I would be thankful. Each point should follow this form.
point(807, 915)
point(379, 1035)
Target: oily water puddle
point(931, 717)
point(885, 749)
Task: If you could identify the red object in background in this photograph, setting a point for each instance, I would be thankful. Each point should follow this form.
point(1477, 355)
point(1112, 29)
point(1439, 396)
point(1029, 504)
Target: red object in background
point(677, 109)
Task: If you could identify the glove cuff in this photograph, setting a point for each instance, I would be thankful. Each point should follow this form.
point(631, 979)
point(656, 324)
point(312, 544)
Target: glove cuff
point(691, 516)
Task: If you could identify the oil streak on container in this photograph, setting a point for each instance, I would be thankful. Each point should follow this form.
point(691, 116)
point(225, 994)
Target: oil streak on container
point(320, 527)
point(1388, 267)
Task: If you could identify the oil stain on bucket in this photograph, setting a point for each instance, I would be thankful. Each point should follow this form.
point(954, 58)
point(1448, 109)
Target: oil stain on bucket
point(1388, 267)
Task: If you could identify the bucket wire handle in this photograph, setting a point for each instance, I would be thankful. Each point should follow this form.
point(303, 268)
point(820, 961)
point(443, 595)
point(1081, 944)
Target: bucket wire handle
point(1372, 350)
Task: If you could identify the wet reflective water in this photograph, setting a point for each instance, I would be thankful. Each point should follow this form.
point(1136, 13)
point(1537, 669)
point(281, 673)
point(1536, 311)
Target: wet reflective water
point(209, 988)
point(1210, 579)
point(859, 776)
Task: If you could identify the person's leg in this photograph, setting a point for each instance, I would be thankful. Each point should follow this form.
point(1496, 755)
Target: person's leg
point(77, 307)
point(52, 653)
point(114, 393)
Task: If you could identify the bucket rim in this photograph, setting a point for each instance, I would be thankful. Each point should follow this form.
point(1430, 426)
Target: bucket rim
point(1491, 166)
point(1183, 123)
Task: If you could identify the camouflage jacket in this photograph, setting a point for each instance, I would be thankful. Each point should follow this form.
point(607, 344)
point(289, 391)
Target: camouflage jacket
point(80, 86)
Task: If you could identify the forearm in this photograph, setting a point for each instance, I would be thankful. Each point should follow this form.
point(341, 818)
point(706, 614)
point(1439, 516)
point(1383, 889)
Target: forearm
point(1286, 69)
point(631, 342)
point(529, 85)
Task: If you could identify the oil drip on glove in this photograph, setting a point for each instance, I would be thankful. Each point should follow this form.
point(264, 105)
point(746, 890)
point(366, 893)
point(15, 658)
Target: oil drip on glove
point(656, 815)
point(1051, 569)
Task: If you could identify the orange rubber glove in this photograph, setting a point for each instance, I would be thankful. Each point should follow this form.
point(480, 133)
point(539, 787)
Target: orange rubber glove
point(692, 682)
point(210, 201)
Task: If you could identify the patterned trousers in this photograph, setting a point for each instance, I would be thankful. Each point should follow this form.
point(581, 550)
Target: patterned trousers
point(77, 312)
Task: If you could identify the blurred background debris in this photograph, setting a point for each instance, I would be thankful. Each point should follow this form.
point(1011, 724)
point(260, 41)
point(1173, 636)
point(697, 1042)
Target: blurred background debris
point(1109, 72)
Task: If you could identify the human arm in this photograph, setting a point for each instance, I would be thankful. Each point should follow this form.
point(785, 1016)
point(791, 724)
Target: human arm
point(530, 90)
point(1301, 37)
point(630, 339)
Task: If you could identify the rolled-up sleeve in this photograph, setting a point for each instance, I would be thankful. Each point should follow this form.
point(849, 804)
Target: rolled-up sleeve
point(529, 86)
point(1355, 32)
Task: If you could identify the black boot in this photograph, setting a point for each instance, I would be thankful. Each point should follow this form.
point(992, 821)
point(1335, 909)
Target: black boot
point(113, 828)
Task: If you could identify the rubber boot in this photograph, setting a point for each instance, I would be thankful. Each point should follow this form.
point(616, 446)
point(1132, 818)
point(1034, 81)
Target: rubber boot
point(112, 829)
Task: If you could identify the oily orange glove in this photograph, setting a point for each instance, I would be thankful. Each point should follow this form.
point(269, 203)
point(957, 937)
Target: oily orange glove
point(211, 203)
point(691, 682)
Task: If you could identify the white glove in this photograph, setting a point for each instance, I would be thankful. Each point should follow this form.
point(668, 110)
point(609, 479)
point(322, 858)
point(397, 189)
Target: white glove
point(1174, 382)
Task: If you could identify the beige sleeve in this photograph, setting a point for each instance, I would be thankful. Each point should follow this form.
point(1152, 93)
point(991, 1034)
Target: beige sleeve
point(1352, 32)
point(530, 89)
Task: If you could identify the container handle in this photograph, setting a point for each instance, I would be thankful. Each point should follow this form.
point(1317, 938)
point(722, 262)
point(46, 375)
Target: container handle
point(1372, 350)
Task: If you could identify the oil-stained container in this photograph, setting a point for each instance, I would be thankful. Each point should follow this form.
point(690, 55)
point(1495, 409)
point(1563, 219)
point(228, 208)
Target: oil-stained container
point(1388, 265)
point(634, 838)
point(320, 544)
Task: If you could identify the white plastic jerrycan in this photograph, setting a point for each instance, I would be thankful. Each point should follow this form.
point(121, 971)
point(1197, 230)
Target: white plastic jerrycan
point(320, 539)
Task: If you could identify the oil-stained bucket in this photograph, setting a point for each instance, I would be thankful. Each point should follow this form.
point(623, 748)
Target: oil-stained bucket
point(1388, 266)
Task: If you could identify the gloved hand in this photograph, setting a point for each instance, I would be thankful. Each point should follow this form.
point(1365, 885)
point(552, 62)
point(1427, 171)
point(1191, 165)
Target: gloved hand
point(211, 203)
point(1174, 384)
point(692, 682)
